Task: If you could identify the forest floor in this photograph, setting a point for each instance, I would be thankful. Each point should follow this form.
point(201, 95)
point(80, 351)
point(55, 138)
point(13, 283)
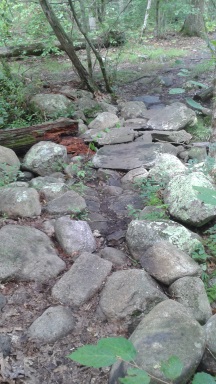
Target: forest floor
point(48, 363)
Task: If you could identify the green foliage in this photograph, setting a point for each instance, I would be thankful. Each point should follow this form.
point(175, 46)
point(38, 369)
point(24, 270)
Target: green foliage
point(113, 349)
point(105, 353)
point(14, 109)
point(176, 91)
point(200, 131)
point(194, 104)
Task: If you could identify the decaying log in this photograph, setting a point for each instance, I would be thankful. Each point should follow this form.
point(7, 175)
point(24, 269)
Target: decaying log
point(36, 49)
point(21, 139)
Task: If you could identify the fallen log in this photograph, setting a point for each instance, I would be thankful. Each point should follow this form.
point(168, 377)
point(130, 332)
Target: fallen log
point(21, 139)
point(36, 49)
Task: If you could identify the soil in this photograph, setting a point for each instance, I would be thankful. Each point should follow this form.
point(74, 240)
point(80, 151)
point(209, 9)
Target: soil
point(30, 362)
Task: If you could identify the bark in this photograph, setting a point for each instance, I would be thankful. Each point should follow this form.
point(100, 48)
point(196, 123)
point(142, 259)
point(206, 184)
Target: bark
point(20, 140)
point(68, 46)
point(146, 17)
point(194, 23)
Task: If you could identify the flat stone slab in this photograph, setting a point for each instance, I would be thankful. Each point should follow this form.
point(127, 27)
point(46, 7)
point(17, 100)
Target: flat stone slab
point(131, 155)
point(110, 136)
point(171, 118)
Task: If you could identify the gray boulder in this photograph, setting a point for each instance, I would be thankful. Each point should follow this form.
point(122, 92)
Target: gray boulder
point(45, 157)
point(129, 156)
point(208, 362)
point(51, 104)
point(69, 202)
point(183, 203)
point(166, 167)
point(74, 236)
point(171, 118)
point(168, 330)
point(9, 165)
point(142, 234)
point(53, 324)
point(27, 254)
point(83, 280)
point(135, 175)
point(167, 263)
point(190, 292)
point(41, 181)
point(133, 110)
point(19, 202)
point(127, 293)
point(114, 255)
point(104, 120)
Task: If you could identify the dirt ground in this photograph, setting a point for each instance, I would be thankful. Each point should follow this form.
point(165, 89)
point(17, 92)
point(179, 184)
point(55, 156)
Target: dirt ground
point(29, 362)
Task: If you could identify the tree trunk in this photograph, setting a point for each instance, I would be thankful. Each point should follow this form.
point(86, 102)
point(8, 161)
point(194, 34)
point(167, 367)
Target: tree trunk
point(20, 140)
point(146, 17)
point(194, 23)
point(68, 45)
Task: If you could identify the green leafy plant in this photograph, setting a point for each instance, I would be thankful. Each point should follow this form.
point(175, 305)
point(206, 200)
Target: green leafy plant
point(112, 349)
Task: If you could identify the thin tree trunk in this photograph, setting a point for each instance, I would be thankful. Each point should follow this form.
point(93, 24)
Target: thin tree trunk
point(97, 55)
point(146, 17)
point(68, 45)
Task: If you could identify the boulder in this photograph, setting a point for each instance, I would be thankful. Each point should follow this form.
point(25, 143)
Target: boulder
point(9, 165)
point(53, 324)
point(110, 136)
point(168, 330)
point(133, 110)
point(167, 263)
point(129, 156)
point(19, 202)
point(142, 234)
point(208, 362)
point(27, 254)
point(115, 256)
point(171, 118)
point(83, 280)
point(74, 236)
point(129, 293)
point(103, 121)
point(45, 157)
point(69, 202)
point(51, 104)
point(166, 167)
point(135, 175)
point(182, 199)
point(190, 292)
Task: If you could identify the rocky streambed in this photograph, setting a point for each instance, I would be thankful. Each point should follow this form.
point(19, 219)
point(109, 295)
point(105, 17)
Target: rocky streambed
point(75, 266)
